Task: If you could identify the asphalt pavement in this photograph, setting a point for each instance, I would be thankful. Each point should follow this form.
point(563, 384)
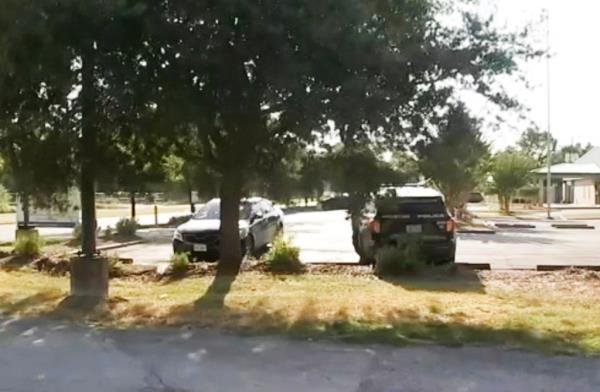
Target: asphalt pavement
point(325, 237)
point(51, 356)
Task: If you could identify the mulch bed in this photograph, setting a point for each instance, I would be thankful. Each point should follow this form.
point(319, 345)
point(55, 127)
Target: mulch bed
point(568, 280)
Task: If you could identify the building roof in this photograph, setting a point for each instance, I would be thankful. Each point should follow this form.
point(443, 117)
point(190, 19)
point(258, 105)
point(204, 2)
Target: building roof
point(588, 164)
point(571, 169)
point(592, 156)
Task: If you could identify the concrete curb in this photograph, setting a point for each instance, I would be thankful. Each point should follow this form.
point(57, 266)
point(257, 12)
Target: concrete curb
point(121, 245)
point(115, 246)
point(475, 266)
point(514, 226)
point(573, 226)
point(476, 231)
point(564, 267)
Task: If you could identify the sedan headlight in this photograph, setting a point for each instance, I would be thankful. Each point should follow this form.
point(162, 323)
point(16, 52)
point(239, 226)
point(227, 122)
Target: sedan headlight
point(243, 232)
point(177, 235)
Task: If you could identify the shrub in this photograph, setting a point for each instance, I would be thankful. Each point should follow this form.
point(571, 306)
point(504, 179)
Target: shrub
point(180, 263)
point(4, 200)
point(406, 257)
point(283, 257)
point(113, 265)
point(126, 227)
point(29, 246)
point(77, 233)
point(108, 232)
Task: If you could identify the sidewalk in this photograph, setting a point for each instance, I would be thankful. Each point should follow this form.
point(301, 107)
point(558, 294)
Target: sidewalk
point(95, 360)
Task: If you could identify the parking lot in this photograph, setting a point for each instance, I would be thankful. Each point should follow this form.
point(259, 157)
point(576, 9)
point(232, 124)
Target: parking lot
point(325, 237)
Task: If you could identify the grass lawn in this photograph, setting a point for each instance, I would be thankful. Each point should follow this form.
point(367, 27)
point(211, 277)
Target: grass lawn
point(550, 312)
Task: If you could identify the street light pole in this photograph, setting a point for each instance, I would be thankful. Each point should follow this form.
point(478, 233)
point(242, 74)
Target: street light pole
point(549, 134)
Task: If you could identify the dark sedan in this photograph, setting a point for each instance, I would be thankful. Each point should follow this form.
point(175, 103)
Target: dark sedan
point(260, 222)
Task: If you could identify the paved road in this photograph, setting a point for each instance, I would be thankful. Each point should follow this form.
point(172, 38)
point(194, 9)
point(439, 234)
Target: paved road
point(48, 356)
point(325, 236)
point(526, 248)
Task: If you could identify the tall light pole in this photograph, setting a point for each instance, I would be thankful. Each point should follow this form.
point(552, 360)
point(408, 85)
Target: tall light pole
point(549, 134)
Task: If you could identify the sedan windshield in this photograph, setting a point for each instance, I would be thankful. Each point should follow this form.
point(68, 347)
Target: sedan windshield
point(213, 211)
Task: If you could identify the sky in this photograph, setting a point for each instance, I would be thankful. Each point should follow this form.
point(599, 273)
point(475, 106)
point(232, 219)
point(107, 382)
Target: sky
point(574, 70)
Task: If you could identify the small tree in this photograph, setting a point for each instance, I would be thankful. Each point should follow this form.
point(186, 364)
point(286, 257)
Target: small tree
point(534, 143)
point(510, 171)
point(455, 161)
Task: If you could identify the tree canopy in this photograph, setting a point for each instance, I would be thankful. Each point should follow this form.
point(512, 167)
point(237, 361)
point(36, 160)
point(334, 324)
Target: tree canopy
point(456, 159)
point(510, 171)
point(233, 83)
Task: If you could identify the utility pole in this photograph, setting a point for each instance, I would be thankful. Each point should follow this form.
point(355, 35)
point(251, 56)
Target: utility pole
point(549, 134)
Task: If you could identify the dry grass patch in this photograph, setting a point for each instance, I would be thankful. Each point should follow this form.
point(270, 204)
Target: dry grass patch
point(539, 311)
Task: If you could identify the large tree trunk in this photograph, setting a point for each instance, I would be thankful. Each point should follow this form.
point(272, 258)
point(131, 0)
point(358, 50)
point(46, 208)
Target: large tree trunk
point(88, 154)
point(230, 248)
point(132, 201)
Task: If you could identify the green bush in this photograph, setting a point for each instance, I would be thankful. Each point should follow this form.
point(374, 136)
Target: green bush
point(77, 233)
point(283, 257)
point(4, 200)
point(126, 227)
point(108, 232)
point(114, 268)
point(406, 257)
point(29, 246)
point(180, 263)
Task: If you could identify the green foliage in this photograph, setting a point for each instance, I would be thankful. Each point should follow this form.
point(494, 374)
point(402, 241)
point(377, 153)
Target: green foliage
point(510, 172)
point(29, 245)
point(76, 234)
point(405, 257)
point(126, 227)
point(358, 171)
point(204, 77)
point(114, 265)
point(283, 257)
point(571, 152)
point(456, 160)
point(534, 143)
point(4, 200)
point(180, 263)
point(108, 232)
point(310, 184)
point(406, 165)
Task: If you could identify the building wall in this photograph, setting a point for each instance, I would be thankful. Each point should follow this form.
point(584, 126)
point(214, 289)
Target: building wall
point(585, 192)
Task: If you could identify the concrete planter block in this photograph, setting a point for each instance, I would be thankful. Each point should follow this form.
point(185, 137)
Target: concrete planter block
point(89, 277)
point(27, 234)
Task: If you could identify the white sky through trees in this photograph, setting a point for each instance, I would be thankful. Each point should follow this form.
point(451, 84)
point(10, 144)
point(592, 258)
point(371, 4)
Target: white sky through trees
point(575, 69)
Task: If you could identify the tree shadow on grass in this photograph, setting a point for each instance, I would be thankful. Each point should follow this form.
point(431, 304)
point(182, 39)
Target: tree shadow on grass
point(15, 262)
point(41, 299)
point(398, 327)
point(440, 279)
point(214, 297)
